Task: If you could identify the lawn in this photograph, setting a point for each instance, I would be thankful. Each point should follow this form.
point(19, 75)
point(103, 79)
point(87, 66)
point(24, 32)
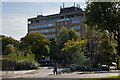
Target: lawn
point(102, 78)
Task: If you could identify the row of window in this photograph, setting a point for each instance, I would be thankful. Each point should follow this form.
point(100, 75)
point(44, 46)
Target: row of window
point(45, 25)
point(78, 32)
point(44, 20)
point(53, 29)
point(52, 19)
point(52, 24)
point(40, 26)
point(50, 35)
point(76, 27)
point(75, 21)
point(62, 23)
point(45, 30)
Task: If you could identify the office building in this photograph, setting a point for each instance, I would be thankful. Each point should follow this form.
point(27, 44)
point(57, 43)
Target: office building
point(69, 17)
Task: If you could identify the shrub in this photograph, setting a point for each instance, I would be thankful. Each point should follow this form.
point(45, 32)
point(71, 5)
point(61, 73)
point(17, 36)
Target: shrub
point(25, 59)
point(25, 65)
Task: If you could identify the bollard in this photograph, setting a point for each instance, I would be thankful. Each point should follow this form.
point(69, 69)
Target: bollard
point(6, 71)
point(13, 70)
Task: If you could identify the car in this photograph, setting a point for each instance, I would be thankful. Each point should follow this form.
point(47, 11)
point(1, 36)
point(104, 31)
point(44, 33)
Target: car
point(105, 67)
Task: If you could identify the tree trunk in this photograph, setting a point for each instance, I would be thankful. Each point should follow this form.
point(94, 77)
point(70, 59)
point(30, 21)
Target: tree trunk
point(117, 63)
point(119, 55)
point(118, 47)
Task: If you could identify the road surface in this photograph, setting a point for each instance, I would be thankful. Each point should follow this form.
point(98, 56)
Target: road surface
point(48, 73)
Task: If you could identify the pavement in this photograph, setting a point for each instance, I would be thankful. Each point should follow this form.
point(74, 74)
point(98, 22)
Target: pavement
point(45, 72)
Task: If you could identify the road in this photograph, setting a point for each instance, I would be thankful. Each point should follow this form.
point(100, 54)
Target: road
point(48, 73)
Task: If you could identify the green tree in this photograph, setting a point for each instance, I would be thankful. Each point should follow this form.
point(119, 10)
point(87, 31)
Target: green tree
point(54, 48)
point(105, 16)
point(71, 47)
point(73, 34)
point(37, 42)
point(80, 59)
point(62, 36)
point(6, 41)
point(100, 45)
point(11, 52)
point(104, 53)
point(25, 59)
point(10, 49)
point(25, 55)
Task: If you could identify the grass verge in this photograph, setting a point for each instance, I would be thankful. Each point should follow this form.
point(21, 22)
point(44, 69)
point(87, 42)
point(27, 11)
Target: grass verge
point(102, 78)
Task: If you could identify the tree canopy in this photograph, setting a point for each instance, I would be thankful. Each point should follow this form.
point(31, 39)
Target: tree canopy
point(37, 42)
point(6, 41)
point(105, 16)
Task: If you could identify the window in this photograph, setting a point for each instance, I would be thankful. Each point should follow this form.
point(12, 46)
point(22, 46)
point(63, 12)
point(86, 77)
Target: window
point(61, 23)
point(75, 21)
point(76, 27)
point(45, 30)
point(64, 17)
point(57, 29)
point(53, 24)
point(78, 32)
point(40, 26)
point(57, 24)
point(50, 35)
point(65, 22)
point(49, 24)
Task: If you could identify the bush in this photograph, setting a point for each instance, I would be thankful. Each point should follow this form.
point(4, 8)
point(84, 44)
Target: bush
point(25, 65)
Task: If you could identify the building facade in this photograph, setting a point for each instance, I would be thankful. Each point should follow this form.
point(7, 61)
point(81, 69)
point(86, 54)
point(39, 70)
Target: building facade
point(70, 17)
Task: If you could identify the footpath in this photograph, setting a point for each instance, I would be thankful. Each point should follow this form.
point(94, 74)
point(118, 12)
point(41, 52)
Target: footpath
point(18, 73)
point(13, 74)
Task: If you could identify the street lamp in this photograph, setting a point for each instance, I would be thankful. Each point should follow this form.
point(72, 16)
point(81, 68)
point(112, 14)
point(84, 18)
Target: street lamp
point(90, 52)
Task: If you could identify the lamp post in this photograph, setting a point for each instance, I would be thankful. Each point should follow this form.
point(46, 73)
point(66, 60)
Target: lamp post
point(90, 52)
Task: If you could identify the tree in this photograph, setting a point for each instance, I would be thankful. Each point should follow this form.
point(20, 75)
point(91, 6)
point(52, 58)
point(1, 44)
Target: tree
point(73, 34)
point(37, 42)
point(62, 36)
point(71, 47)
point(54, 48)
point(25, 59)
point(105, 51)
point(6, 41)
point(11, 52)
point(105, 16)
point(80, 59)
point(10, 49)
point(25, 55)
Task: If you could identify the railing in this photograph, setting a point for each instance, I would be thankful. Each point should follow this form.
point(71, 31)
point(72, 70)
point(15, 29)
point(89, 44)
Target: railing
point(8, 67)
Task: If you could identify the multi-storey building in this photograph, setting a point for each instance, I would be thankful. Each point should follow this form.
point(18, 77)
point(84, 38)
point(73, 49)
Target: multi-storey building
point(70, 17)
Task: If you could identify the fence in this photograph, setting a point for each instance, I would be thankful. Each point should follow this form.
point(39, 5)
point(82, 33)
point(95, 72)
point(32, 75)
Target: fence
point(8, 67)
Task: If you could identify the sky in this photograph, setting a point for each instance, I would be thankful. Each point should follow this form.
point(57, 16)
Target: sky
point(15, 15)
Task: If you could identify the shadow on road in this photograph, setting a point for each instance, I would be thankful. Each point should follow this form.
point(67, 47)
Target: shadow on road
point(94, 72)
point(51, 74)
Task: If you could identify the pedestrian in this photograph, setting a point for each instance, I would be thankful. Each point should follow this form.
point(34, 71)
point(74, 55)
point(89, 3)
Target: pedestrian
point(55, 69)
point(59, 72)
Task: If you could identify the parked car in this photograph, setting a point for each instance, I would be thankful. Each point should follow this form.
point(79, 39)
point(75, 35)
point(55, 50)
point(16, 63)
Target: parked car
point(105, 67)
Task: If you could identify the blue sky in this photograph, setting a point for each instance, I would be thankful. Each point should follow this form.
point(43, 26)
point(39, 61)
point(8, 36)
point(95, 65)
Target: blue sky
point(15, 15)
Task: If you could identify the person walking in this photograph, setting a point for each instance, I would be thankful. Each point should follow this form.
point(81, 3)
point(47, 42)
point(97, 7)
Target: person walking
point(55, 69)
point(59, 72)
